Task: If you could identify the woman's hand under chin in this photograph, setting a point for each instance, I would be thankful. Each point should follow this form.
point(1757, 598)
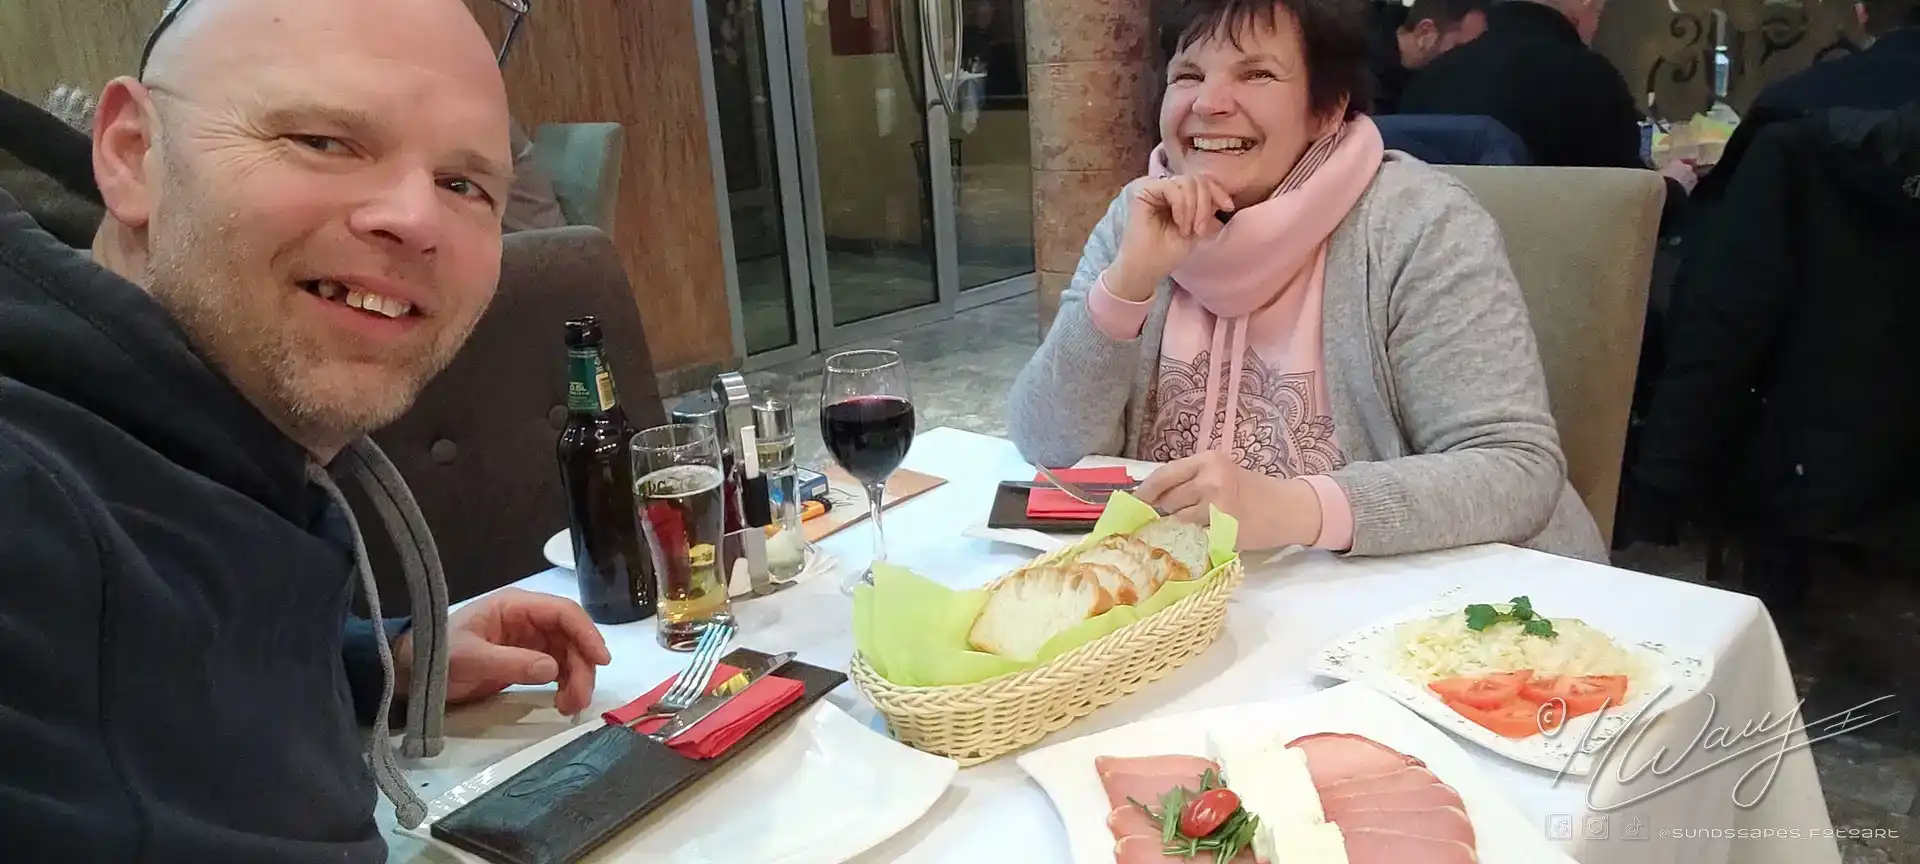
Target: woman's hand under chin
point(1165, 219)
point(1274, 512)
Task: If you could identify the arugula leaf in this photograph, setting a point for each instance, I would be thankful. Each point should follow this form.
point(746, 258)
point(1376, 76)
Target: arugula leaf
point(1519, 610)
point(1480, 616)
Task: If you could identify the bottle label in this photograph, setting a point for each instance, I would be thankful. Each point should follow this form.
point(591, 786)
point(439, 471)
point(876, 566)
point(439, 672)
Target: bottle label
point(589, 382)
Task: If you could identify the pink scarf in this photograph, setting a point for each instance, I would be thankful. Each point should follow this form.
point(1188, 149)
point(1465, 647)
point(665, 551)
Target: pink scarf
point(1258, 284)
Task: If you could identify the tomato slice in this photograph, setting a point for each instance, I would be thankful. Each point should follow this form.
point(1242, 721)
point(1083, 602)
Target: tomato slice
point(1582, 694)
point(1205, 814)
point(1482, 691)
point(1518, 718)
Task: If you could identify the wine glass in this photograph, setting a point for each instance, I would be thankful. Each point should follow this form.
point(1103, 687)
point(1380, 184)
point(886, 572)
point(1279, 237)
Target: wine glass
point(866, 420)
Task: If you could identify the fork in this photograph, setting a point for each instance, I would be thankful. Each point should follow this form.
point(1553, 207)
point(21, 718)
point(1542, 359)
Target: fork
point(1091, 499)
point(692, 683)
point(1074, 491)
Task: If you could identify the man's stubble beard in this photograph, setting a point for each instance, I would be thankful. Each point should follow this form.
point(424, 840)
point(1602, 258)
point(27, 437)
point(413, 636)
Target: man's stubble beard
point(196, 271)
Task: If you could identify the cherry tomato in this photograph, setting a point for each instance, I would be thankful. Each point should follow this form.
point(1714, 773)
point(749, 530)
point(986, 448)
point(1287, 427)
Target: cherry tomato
point(1515, 719)
point(1583, 694)
point(1205, 814)
point(1482, 691)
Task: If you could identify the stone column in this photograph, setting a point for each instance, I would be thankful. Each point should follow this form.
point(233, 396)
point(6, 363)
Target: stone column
point(1090, 94)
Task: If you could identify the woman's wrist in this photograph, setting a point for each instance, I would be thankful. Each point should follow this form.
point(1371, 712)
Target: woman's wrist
point(1302, 511)
point(1290, 517)
point(1126, 284)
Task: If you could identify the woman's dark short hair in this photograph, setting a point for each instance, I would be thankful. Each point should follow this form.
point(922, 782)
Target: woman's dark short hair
point(1333, 39)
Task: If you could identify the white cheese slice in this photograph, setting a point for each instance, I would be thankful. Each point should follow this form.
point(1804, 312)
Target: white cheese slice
point(1273, 783)
point(1320, 843)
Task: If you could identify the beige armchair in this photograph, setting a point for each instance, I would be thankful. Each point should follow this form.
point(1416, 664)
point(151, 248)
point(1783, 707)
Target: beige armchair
point(584, 161)
point(1581, 241)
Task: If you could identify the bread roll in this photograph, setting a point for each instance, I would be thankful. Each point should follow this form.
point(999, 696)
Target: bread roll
point(1185, 541)
point(1145, 567)
point(1036, 604)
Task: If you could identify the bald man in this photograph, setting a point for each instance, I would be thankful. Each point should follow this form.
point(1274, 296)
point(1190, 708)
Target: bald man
point(303, 225)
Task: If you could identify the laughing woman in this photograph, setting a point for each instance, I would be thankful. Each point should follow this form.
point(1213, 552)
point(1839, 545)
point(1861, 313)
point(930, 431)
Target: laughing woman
point(1321, 338)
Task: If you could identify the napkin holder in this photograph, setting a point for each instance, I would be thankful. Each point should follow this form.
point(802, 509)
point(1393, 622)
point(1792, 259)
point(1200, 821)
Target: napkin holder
point(564, 806)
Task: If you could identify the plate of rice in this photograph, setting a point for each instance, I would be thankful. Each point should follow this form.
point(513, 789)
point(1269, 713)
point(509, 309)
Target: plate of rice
point(1460, 637)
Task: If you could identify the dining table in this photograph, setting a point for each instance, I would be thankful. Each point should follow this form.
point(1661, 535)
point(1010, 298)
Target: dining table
point(1724, 777)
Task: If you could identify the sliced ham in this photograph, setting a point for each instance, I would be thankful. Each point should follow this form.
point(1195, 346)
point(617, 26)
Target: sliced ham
point(1144, 788)
point(1380, 846)
point(1408, 777)
point(1422, 798)
point(1433, 823)
point(1334, 757)
point(1146, 850)
point(1190, 766)
point(1146, 779)
point(1128, 821)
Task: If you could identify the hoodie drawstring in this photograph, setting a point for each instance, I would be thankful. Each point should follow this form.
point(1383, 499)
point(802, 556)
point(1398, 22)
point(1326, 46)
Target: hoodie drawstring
point(1229, 351)
point(427, 589)
point(1207, 425)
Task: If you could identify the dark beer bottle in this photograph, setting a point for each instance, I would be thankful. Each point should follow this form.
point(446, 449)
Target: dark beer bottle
point(596, 467)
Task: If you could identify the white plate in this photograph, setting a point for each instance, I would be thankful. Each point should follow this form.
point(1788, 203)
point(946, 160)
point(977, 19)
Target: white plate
point(832, 787)
point(559, 550)
point(1066, 770)
point(1366, 655)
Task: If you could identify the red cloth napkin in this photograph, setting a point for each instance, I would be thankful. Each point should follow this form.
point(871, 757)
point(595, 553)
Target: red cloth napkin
point(1055, 504)
point(723, 728)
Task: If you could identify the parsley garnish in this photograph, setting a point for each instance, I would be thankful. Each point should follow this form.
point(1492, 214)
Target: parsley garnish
point(1519, 610)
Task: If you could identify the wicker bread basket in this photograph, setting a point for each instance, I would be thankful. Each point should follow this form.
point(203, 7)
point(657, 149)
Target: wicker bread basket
point(973, 723)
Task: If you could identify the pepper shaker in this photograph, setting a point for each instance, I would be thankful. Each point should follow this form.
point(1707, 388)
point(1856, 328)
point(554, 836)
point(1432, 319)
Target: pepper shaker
point(786, 549)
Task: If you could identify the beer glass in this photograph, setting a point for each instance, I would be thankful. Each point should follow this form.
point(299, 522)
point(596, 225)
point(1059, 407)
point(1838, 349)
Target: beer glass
point(683, 513)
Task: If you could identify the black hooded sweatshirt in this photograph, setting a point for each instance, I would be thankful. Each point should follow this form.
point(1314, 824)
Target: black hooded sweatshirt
point(176, 683)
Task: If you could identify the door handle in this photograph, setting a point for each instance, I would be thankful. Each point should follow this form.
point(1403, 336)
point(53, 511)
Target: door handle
point(943, 84)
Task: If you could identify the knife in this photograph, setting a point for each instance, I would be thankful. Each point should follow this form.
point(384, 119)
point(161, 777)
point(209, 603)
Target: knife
point(704, 707)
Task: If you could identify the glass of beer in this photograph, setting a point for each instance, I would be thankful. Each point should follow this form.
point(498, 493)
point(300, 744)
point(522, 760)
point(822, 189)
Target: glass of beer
point(683, 513)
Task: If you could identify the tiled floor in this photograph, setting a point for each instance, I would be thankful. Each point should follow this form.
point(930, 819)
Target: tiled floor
point(1856, 639)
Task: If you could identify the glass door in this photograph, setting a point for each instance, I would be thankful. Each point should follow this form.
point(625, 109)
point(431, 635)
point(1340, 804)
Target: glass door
point(873, 157)
point(993, 177)
point(878, 195)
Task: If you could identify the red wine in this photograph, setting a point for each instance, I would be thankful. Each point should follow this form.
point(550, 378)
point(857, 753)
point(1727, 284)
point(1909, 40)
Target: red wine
point(868, 435)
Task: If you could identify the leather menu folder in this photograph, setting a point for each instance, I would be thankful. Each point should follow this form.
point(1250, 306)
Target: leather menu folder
point(564, 806)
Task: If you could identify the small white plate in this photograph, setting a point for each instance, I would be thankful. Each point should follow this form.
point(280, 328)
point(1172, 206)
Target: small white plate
point(819, 791)
point(1366, 655)
point(1066, 771)
point(559, 550)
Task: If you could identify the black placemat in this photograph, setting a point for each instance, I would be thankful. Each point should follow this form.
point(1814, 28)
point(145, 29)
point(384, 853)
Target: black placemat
point(1010, 511)
point(564, 806)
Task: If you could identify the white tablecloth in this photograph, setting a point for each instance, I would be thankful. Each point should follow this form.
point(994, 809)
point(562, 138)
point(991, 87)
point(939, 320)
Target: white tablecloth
point(1285, 612)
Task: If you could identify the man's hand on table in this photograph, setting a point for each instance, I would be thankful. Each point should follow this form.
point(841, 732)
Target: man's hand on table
point(1683, 172)
point(1273, 511)
point(516, 637)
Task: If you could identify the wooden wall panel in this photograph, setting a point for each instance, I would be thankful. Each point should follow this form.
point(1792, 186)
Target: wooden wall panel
point(636, 62)
point(86, 43)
